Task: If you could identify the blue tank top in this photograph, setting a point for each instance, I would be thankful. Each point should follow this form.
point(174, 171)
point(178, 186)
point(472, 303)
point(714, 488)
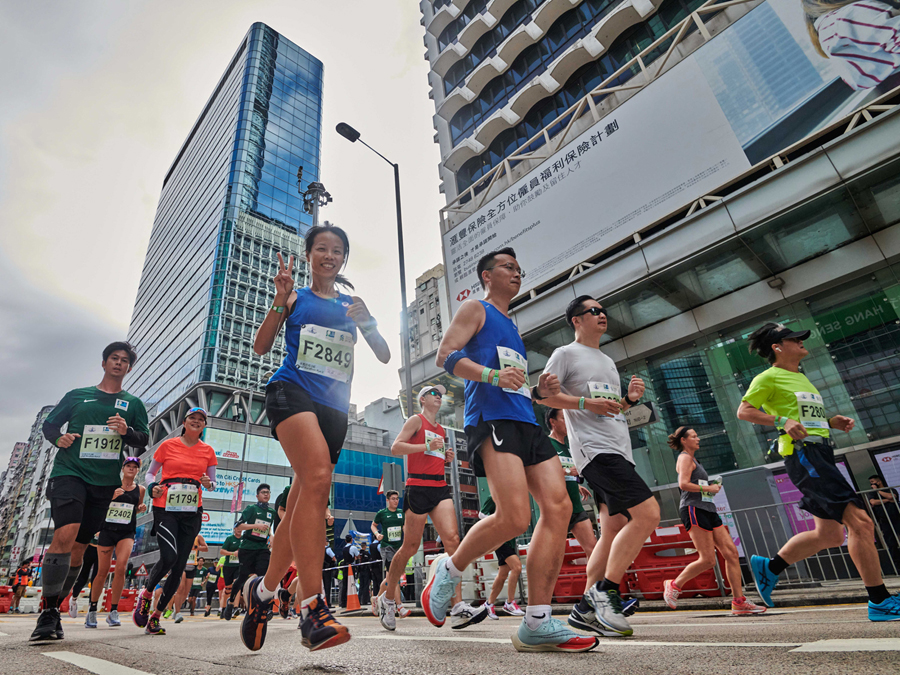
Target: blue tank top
point(319, 338)
point(497, 345)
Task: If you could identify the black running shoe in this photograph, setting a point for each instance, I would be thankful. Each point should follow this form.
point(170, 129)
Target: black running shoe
point(256, 620)
point(319, 630)
point(59, 629)
point(284, 603)
point(228, 612)
point(153, 627)
point(46, 625)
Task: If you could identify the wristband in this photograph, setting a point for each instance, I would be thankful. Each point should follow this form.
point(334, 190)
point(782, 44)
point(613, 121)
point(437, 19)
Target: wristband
point(277, 310)
point(535, 394)
point(581, 403)
point(628, 400)
point(58, 440)
point(495, 379)
point(486, 374)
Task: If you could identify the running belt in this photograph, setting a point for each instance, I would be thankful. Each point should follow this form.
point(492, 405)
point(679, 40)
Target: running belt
point(425, 476)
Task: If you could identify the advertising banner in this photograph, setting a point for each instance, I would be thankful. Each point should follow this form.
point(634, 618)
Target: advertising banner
point(889, 463)
point(723, 508)
point(801, 521)
point(216, 526)
point(753, 90)
point(227, 480)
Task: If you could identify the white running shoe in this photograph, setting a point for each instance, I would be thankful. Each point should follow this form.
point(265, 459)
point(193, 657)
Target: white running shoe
point(671, 593)
point(387, 613)
point(178, 617)
point(513, 609)
point(375, 601)
point(403, 612)
point(463, 614)
point(491, 613)
point(607, 606)
point(73, 608)
point(112, 619)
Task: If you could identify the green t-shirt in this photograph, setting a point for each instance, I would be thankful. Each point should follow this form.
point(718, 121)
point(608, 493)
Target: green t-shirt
point(199, 576)
point(488, 508)
point(391, 527)
point(252, 540)
point(565, 457)
point(96, 457)
point(784, 393)
point(232, 543)
point(280, 502)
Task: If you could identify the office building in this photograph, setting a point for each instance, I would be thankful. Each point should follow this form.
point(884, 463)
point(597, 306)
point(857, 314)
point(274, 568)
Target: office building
point(426, 313)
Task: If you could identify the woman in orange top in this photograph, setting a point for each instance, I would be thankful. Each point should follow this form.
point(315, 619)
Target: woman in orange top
point(187, 464)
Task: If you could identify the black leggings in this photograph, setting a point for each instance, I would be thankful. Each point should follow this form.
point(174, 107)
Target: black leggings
point(88, 570)
point(175, 533)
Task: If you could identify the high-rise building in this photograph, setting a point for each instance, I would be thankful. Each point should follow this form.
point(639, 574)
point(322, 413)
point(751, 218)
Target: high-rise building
point(426, 313)
point(229, 203)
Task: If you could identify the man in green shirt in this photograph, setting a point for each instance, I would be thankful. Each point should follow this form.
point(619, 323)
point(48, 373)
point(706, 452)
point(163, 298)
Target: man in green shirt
point(390, 537)
point(784, 397)
point(254, 526)
point(197, 583)
point(100, 422)
point(230, 569)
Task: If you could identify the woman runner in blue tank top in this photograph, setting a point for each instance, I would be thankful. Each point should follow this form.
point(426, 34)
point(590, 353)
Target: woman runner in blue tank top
point(307, 401)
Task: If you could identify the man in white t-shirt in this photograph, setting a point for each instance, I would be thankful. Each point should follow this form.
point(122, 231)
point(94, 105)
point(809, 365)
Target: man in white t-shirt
point(593, 406)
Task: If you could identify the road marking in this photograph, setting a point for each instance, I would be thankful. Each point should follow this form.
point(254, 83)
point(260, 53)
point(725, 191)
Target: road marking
point(98, 666)
point(746, 624)
point(4, 634)
point(603, 643)
point(857, 645)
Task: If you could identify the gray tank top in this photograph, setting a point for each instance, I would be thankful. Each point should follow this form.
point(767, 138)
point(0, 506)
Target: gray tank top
point(695, 499)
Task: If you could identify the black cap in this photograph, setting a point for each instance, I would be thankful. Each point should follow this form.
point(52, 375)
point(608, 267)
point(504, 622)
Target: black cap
point(780, 332)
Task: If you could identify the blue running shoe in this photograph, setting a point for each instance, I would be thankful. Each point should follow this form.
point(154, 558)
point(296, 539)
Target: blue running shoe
point(763, 578)
point(888, 610)
point(630, 606)
point(552, 636)
point(438, 592)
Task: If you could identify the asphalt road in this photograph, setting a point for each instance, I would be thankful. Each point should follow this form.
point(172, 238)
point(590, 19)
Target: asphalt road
point(823, 640)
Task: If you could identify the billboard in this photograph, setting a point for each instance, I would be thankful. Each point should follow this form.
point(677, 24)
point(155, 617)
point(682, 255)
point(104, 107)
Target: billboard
point(801, 520)
point(889, 463)
point(756, 88)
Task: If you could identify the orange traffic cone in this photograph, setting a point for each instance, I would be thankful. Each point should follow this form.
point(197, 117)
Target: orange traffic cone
point(352, 595)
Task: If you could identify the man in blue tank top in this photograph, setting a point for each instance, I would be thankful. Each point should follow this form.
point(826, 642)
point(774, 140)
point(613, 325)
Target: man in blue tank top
point(483, 346)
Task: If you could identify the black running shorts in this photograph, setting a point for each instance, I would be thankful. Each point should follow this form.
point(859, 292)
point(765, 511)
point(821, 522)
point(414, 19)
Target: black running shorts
point(230, 573)
point(577, 518)
point(72, 500)
point(506, 549)
point(195, 591)
point(705, 520)
point(617, 481)
point(527, 441)
point(112, 537)
point(286, 399)
point(826, 492)
point(422, 499)
point(254, 561)
point(190, 574)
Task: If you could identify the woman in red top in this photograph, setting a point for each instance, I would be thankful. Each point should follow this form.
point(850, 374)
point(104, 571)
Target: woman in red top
point(187, 464)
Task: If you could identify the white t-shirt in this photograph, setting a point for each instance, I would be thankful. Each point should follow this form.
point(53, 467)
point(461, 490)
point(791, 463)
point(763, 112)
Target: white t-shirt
point(588, 372)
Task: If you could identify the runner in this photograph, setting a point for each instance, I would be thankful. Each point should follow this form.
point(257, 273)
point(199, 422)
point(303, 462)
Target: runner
point(784, 397)
point(280, 503)
point(703, 524)
point(117, 536)
point(230, 568)
point(197, 583)
point(101, 421)
point(601, 447)
point(427, 495)
point(509, 568)
point(254, 527)
point(212, 580)
point(390, 539)
point(184, 464)
point(19, 583)
point(187, 579)
point(307, 401)
point(483, 346)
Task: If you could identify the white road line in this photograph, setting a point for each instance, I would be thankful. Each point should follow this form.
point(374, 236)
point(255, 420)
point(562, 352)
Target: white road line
point(855, 645)
point(4, 634)
point(603, 643)
point(778, 611)
point(740, 624)
point(97, 666)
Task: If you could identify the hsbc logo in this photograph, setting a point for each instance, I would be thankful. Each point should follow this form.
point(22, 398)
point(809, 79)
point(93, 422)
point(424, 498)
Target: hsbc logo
point(205, 517)
point(231, 454)
point(887, 459)
point(463, 295)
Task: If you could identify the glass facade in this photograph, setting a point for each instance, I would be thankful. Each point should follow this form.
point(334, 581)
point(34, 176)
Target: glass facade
point(229, 203)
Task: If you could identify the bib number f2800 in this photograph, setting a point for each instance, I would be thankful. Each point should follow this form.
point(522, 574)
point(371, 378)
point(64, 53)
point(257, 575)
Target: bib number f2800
point(325, 351)
point(182, 497)
point(100, 442)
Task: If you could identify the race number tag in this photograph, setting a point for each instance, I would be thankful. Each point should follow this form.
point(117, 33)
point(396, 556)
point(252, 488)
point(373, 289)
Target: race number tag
point(233, 558)
point(510, 358)
point(325, 351)
point(429, 437)
point(100, 442)
point(257, 533)
point(812, 410)
point(568, 464)
point(182, 497)
point(197, 580)
point(119, 513)
point(395, 533)
point(607, 391)
point(192, 558)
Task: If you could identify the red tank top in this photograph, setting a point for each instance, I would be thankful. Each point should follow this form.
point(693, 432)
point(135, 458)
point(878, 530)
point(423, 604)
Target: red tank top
point(422, 464)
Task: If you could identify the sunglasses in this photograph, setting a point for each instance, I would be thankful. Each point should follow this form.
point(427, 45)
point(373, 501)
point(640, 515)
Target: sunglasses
point(594, 311)
point(131, 459)
point(434, 393)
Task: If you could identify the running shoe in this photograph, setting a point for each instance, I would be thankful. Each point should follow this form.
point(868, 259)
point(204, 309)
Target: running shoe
point(319, 630)
point(228, 612)
point(608, 616)
point(142, 608)
point(46, 628)
point(73, 608)
point(256, 620)
point(671, 593)
point(630, 606)
point(463, 614)
point(763, 578)
point(403, 612)
point(284, 603)
point(59, 629)
point(178, 617)
point(112, 619)
point(167, 613)
point(491, 613)
point(551, 636)
point(208, 610)
point(387, 612)
point(375, 605)
point(237, 612)
point(153, 627)
point(91, 620)
point(746, 607)
point(438, 592)
point(587, 620)
point(513, 609)
point(888, 610)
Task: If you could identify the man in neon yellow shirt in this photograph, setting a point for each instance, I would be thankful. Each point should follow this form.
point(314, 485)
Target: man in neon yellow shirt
point(784, 397)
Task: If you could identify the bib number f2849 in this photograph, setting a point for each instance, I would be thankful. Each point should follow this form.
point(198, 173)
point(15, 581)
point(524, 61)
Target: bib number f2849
point(811, 410)
point(325, 351)
point(182, 497)
point(119, 513)
point(510, 358)
point(100, 442)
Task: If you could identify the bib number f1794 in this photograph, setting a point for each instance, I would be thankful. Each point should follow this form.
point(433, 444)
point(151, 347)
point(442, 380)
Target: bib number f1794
point(100, 442)
point(325, 351)
point(182, 497)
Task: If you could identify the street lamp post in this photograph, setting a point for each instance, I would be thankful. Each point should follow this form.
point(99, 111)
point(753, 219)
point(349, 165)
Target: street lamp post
point(352, 135)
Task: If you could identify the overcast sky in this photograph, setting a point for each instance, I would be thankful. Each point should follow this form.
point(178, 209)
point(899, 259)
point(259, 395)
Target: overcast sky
point(98, 97)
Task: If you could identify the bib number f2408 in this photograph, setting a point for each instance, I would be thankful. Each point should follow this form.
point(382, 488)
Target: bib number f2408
point(100, 442)
point(325, 351)
point(510, 358)
point(811, 410)
point(119, 513)
point(182, 497)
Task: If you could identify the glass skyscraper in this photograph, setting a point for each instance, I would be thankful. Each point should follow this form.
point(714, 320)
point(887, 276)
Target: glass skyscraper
point(229, 203)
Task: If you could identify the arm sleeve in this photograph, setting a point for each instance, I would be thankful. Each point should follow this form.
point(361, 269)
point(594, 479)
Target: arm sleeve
point(759, 391)
point(52, 426)
point(138, 434)
point(211, 472)
point(155, 466)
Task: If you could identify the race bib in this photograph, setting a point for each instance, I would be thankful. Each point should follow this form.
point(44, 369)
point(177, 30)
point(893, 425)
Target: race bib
point(325, 351)
point(257, 533)
point(395, 533)
point(510, 358)
point(233, 558)
point(119, 513)
point(812, 410)
point(442, 452)
point(607, 391)
point(197, 580)
point(182, 497)
point(568, 464)
point(192, 558)
point(99, 442)
point(212, 577)
point(708, 496)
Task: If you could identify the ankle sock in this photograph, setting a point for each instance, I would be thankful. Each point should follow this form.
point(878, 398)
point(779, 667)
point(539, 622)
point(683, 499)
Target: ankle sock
point(583, 605)
point(264, 593)
point(738, 601)
point(304, 605)
point(454, 573)
point(607, 585)
point(114, 608)
point(877, 594)
point(777, 565)
point(535, 615)
point(93, 607)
